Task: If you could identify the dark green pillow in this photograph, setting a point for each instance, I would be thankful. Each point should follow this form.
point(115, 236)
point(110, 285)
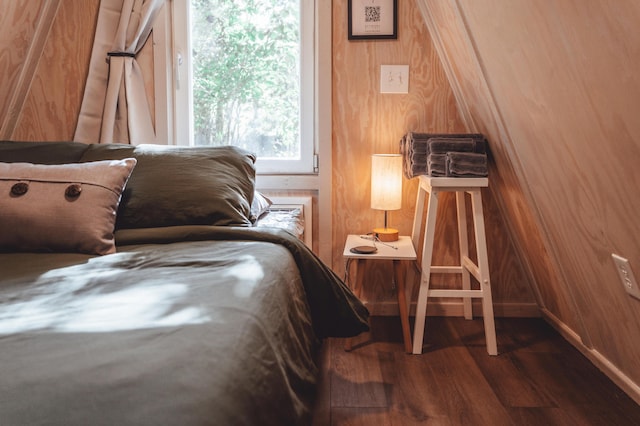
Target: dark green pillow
point(41, 152)
point(173, 186)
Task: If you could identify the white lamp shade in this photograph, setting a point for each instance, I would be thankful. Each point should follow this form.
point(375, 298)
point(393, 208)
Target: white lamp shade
point(386, 181)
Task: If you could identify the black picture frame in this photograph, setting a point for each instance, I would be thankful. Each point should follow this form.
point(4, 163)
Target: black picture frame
point(373, 19)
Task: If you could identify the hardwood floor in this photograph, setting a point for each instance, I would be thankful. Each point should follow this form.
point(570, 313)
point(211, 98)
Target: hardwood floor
point(538, 379)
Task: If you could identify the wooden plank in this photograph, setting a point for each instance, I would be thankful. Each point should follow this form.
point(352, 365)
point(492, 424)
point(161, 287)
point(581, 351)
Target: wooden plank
point(456, 49)
point(42, 25)
point(538, 378)
point(322, 407)
point(53, 101)
point(356, 379)
point(556, 90)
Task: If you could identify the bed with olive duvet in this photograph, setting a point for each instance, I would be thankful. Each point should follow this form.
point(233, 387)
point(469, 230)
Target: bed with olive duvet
point(135, 289)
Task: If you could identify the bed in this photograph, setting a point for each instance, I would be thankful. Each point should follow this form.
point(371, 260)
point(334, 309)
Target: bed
point(185, 313)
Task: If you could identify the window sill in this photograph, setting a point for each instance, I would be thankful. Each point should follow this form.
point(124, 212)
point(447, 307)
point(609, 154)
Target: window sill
point(287, 182)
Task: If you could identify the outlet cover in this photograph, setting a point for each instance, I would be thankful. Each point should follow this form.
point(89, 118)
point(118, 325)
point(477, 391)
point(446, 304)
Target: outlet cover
point(394, 79)
point(626, 275)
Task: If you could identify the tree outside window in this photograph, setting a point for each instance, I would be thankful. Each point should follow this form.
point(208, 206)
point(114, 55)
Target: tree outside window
point(246, 75)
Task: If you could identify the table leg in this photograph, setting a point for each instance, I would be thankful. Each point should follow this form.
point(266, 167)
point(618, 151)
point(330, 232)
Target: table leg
point(399, 273)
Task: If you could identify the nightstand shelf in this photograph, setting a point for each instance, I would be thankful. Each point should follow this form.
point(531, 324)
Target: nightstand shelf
point(400, 252)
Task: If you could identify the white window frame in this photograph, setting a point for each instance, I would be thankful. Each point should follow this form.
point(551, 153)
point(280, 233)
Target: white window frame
point(172, 83)
point(183, 93)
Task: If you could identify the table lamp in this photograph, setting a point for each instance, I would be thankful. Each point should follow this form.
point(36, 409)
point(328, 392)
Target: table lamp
point(386, 190)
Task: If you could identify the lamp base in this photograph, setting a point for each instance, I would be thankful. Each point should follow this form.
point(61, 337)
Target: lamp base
point(386, 235)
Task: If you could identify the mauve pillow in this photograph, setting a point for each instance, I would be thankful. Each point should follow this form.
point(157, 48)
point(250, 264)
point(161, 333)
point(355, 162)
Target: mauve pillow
point(61, 208)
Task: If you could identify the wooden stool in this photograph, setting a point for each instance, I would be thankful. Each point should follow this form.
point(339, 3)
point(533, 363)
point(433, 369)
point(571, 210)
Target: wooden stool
point(461, 186)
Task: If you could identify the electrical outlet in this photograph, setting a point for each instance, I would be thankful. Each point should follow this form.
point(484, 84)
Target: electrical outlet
point(626, 275)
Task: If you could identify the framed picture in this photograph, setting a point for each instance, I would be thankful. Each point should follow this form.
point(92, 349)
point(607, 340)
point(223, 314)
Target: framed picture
point(373, 19)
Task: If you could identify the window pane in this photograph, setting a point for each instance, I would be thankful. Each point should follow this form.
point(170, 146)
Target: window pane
point(246, 75)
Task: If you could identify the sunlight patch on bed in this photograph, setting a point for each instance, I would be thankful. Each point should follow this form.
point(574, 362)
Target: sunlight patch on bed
point(248, 272)
point(74, 306)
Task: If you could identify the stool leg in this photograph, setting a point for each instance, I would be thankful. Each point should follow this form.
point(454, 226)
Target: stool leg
point(464, 250)
point(399, 273)
point(417, 217)
point(427, 254)
point(483, 266)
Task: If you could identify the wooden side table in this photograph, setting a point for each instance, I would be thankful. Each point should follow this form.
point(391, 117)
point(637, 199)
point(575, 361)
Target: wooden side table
point(400, 252)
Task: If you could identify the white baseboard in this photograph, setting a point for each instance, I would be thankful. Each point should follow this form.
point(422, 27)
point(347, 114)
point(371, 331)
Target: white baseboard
point(599, 360)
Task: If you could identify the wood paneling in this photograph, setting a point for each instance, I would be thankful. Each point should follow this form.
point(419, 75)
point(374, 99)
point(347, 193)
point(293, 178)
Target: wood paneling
point(477, 107)
point(366, 122)
point(18, 55)
point(53, 102)
point(556, 87)
point(17, 25)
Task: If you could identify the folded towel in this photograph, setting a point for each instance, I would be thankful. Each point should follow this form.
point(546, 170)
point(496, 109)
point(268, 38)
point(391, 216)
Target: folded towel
point(437, 165)
point(466, 164)
point(415, 147)
point(417, 170)
point(444, 145)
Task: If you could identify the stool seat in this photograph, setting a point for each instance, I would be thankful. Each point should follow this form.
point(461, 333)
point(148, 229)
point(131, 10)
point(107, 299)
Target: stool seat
point(433, 186)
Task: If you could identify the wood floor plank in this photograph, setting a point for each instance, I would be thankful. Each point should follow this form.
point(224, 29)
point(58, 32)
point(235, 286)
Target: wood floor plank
point(579, 389)
point(505, 373)
point(342, 416)
point(549, 376)
point(538, 379)
point(356, 380)
point(465, 396)
point(322, 408)
point(536, 416)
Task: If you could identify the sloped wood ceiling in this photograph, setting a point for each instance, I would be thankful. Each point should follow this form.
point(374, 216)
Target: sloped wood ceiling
point(45, 46)
point(555, 86)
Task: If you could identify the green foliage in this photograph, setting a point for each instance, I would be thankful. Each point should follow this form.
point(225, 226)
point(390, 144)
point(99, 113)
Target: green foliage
point(246, 76)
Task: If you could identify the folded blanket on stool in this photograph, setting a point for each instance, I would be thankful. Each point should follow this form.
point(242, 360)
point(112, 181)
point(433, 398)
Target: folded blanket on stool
point(437, 164)
point(444, 145)
point(466, 164)
point(415, 148)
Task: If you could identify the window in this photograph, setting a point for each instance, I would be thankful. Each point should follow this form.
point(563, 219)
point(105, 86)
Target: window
point(244, 77)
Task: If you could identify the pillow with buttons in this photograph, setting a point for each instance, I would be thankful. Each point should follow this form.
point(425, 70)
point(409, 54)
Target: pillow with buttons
point(61, 208)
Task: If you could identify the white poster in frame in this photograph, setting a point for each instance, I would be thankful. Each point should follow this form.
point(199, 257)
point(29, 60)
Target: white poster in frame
point(373, 19)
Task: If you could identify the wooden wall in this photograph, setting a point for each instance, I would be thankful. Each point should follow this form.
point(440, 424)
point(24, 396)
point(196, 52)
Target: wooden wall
point(44, 57)
point(366, 122)
point(555, 87)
